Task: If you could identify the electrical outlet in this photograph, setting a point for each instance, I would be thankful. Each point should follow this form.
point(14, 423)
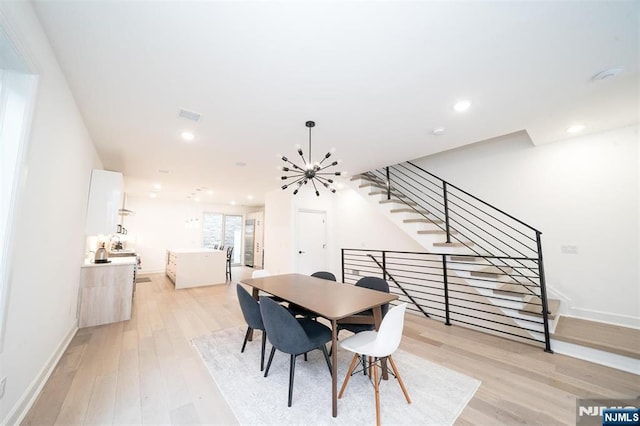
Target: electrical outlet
point(3, 382)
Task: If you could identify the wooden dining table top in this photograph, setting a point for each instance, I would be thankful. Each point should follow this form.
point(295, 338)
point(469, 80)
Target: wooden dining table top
point(330, 299)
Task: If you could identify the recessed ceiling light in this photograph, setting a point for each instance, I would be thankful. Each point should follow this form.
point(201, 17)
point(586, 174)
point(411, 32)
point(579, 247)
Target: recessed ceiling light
point(157, 186)
point(576, 128)
point(438, 131)
point(241, 164)
point(462, 105)
point(250, 197)
point(189, 115)
point(153, 195)
point(187, 136)
point(209, 192)
point(233, 203)
point(197, 200)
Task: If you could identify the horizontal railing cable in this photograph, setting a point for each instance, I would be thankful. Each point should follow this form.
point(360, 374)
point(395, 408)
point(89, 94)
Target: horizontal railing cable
point(441, 286)
point(476, 198)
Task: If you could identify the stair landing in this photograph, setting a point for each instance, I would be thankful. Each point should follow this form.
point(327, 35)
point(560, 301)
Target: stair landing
point(606, 337)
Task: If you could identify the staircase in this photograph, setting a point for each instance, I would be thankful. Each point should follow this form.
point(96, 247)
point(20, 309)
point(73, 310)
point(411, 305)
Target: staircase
point(482, 267)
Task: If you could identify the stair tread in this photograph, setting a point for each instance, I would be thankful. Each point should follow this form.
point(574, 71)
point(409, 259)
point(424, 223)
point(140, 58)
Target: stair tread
point(409, 210)
point(360, 176)
point(598, 335)
point(372, 184)
point(492, 271)
point(434, 231)
point(534, 308)
point(454, 244)
point(458, 258)
point(418, 220)
point(395, 194)
point(513, 290)
point(396, 200)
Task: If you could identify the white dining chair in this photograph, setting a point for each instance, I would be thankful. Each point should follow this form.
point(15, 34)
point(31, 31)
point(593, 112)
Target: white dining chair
point(377, 346)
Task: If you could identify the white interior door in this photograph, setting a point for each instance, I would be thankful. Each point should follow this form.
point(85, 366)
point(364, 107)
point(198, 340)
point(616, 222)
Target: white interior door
point(312, 241)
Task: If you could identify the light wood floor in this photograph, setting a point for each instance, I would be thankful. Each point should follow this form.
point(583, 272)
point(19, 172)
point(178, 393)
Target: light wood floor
point(146, 371)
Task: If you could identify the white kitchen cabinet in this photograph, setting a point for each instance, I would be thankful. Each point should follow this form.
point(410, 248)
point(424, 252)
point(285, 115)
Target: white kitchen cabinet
point(106, 292)
point(105, 198)
point(195, 268)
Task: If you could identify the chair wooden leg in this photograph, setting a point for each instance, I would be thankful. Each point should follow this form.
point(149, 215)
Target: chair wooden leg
point(273, 351)
point(264, 344)
point(376, 388)
point(352, 367)
point(246, 337)
point(397, 373)
point(292, 370)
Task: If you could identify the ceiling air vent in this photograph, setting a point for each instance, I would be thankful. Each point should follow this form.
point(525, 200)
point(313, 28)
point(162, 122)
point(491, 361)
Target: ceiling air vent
point(189, 115)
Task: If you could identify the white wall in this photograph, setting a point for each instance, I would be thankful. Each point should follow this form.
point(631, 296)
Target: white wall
point(582, 192)
point(278, 232)
point(159, 225)
point(49, 230)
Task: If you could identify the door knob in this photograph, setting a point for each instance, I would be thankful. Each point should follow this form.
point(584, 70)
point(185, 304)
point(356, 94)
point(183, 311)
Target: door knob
point(300, 252)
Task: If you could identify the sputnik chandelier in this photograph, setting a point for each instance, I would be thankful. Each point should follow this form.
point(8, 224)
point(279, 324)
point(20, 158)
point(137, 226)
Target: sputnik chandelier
point(309, 172)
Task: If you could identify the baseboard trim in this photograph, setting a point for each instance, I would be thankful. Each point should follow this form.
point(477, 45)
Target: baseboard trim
point(606, 317)
point(597, 356)
point(21, 408)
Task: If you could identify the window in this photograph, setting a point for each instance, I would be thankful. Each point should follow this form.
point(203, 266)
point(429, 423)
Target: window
point(17, 91)
point(212, 229)
point(220, 229)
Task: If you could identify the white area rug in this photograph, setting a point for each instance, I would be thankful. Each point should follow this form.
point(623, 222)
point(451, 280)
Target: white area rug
point(438, 394)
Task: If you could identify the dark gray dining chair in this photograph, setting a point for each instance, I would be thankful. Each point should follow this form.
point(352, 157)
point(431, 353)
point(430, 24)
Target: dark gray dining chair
point(253, 317)
point(292, 336)
point(373, 283)
point(299, 310)
point(325, 275)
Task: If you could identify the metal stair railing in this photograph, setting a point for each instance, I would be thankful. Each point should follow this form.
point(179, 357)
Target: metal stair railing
point(432, 283)
point(484, 230)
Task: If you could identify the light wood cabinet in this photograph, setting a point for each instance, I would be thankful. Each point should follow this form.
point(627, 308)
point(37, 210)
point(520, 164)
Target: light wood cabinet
point(195, 268)
point(105, 198)
point(106, 293)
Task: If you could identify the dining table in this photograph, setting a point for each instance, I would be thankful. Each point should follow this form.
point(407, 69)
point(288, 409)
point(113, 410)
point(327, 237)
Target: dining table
point(337, 302)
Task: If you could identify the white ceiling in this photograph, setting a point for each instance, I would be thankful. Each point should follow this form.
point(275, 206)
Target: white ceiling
point(377, 77)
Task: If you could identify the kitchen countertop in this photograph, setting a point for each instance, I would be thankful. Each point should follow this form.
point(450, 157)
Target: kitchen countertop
point(129, 260)
point(196, 250)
